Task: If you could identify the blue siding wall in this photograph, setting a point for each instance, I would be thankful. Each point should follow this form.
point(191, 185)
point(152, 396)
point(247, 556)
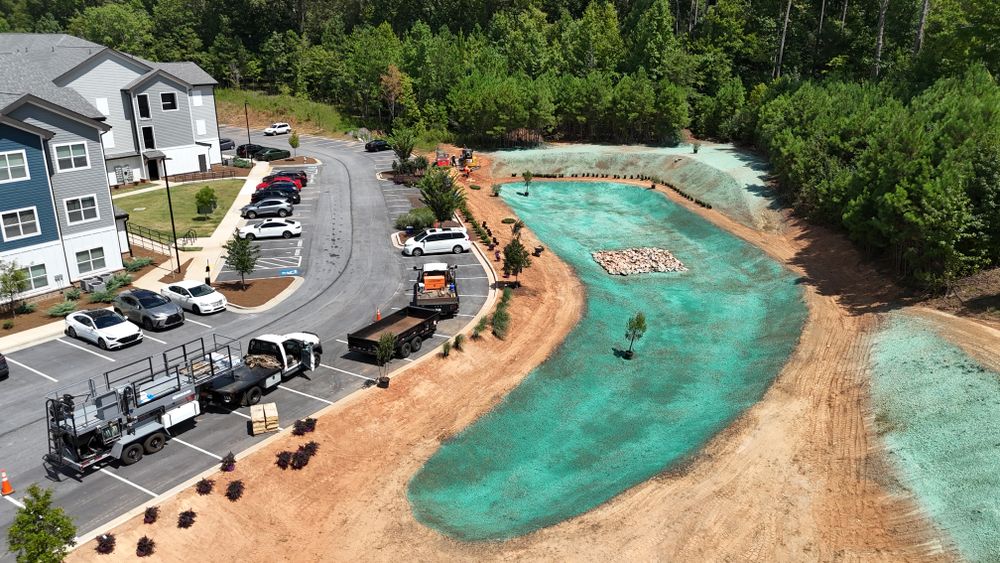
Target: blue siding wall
point(28, 193)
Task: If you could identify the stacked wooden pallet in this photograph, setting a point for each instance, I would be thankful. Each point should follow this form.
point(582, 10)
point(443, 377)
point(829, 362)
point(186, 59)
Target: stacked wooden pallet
point(264, 418)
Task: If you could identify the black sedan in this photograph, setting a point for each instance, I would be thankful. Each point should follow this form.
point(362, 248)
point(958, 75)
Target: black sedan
point(226, 144)
point(269, 154)
point(377, 145)
point(247, 151)
point(288, 193)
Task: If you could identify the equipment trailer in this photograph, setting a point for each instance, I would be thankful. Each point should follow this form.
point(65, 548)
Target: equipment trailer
point(411, 325)
point(436, 288)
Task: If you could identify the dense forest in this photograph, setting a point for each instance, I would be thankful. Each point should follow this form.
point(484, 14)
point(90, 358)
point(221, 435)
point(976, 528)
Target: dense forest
point(880, 117)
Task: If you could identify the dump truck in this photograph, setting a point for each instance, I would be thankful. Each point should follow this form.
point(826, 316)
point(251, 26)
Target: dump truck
point(270, 359)
point(436, 288)
point(127, 412)
point(411, 325)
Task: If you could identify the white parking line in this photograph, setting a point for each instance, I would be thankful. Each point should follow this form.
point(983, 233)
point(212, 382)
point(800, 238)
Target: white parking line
point(195, 448)
point(305, 394)
point(238, 413)
point(127, 482)
point(463, 315)
point(359, 376)
point(153, 339)
point(13, 500)
point(407, 359)
point(341, 341)
point(439, 335)
point(469, 295)
point(85, 350)
point(33, 370)
point(197, 323)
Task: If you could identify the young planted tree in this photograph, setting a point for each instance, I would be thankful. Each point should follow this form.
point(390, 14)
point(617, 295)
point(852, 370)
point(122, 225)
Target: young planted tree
point(241, 257)
point(402, 141)
point(527, 175)
point(516, 227)
point(293, 141)
point(516, 259)
point(634, 330)
point(440, 193)
point(13, 282)
point(206, 201)
point(41, 533)
point(384, 352)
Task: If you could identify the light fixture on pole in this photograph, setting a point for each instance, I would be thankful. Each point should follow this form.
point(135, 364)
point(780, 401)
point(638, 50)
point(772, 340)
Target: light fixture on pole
point(170, 207)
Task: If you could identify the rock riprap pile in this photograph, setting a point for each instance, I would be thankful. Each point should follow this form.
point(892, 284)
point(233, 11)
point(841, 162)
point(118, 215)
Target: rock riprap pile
point(638, 261)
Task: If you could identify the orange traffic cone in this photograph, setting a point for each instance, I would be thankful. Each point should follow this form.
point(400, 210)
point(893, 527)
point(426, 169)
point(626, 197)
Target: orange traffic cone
point(378, 314)
point(5, 489)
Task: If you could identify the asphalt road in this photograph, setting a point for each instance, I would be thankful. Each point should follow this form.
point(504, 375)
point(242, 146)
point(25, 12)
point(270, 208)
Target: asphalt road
point(352, 270)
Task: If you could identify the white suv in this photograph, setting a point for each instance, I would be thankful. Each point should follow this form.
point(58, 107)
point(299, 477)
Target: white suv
point(278, 129)
point(448, 239)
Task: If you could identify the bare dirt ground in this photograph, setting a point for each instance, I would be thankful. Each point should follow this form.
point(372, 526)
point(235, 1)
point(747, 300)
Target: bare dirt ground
point(798, 478)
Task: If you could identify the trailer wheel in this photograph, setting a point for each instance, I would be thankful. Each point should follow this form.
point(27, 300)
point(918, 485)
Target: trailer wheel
point(415, 344)
point(154, 443)
point(404, 350)
point(132, 454)
point(252, 396)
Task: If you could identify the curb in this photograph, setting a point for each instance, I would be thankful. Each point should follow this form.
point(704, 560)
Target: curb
point(394, 239)
point(273, 302)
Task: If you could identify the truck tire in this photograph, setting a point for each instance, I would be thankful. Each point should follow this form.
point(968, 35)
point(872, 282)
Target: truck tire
point(415, 344)
point(154, 442)
point(404, 350)
point(131, 454)
point(252, 396)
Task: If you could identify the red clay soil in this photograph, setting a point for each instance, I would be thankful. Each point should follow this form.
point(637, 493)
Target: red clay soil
point(173, 276)
point(256, 293)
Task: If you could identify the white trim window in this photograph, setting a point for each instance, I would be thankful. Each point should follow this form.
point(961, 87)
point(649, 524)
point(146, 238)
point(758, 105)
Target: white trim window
point(14, 167)
point(20, 223)
point(168, 101)
point(90, 260)
point(148, 141)
point(142, 103)
point(71, 156)
point(36, 276)
point(81, 209)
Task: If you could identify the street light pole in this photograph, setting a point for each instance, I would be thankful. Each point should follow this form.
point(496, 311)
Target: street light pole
point(170, 207)
point(246, 114)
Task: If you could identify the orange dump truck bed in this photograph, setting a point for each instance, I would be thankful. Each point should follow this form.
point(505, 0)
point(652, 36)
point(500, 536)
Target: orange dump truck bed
point(433, 282)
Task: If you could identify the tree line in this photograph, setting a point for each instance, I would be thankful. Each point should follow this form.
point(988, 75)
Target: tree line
point(859, 105)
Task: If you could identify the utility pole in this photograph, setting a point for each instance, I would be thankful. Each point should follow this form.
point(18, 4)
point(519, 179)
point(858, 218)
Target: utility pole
point(170, 207)
point(246, 114)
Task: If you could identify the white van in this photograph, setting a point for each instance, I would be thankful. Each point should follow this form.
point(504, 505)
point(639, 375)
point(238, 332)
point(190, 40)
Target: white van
point(432, 241)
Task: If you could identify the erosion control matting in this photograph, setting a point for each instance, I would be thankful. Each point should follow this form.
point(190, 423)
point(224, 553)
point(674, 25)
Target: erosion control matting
point(588, 424)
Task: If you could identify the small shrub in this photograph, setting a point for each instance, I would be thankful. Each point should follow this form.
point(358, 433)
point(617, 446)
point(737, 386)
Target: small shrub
point(303, 426)
point(507, 295)
point(459, 341)
point(475, 187)
point(480, 326)
point(8, 324)
point(496, 188)
point(118, 280)
point(152, 513)
point(186, 519)
point(420, 219)
point(476, 333)
point(229, 462)
point(284, 459)
point(145, 547)
point(62, 309)
point(420, 162)
point(310, 448)
point(501, 322)
point(300, 459)
point(106, 543)
point(103, 296)
point(137, 264)
point(25, 308)
point(72, 294)
point(508, 220)
point(204, 487)
point(446, 348)
point(310, 424)
point(242, 163)
point(235, 491)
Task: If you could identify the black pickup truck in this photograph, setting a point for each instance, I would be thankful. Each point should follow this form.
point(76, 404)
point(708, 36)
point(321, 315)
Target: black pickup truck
point(412, 326)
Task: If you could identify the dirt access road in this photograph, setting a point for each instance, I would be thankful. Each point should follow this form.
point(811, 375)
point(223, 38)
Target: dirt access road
point(799, 477)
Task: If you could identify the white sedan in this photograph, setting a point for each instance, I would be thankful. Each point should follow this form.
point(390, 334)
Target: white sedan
point(195, 296)
point(105, 328)
point(278, 129)
point(272, 228)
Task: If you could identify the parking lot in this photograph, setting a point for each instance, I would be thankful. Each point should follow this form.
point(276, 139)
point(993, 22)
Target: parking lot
point(353, 270)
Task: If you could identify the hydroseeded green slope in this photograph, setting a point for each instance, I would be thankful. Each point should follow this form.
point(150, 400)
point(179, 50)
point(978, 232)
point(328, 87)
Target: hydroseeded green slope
point(586, 424)
point(938, 410)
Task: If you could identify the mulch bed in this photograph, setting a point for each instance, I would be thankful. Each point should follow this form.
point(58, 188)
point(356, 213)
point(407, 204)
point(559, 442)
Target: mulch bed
point(173, 277)
point(39, 316)
point(138, 252)
point(257, 292)
point(294, 160)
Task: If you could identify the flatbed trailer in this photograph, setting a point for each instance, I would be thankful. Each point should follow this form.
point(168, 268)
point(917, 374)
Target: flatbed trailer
point(411, 325)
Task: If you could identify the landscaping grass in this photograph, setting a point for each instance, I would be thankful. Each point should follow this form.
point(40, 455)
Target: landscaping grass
point(150, 209)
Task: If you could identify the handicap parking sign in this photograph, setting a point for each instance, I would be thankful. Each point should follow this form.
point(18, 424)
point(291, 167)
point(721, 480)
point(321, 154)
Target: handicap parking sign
point(292, 272)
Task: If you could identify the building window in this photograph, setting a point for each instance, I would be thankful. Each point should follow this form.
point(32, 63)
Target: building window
point(143, 101)
point(82, 209)
point(37, 277)
point(148, 141)
point(19, 223)
point(90, 260)
point(13, 167)
point(71, 156)
point(169, 101)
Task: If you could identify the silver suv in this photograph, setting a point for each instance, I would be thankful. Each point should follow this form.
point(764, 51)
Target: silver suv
point(148, 309)
point(267, 207)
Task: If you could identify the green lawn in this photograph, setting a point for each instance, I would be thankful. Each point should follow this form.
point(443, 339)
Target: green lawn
point(150, 209)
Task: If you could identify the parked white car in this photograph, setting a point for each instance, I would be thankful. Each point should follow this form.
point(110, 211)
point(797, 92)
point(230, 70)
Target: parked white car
point(433, 241)
point(105, 328)
point(272, 228)
point(195, 296)
point(278, 129)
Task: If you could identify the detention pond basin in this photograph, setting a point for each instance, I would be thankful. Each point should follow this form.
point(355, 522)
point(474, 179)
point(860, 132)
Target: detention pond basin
point(587, 424)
